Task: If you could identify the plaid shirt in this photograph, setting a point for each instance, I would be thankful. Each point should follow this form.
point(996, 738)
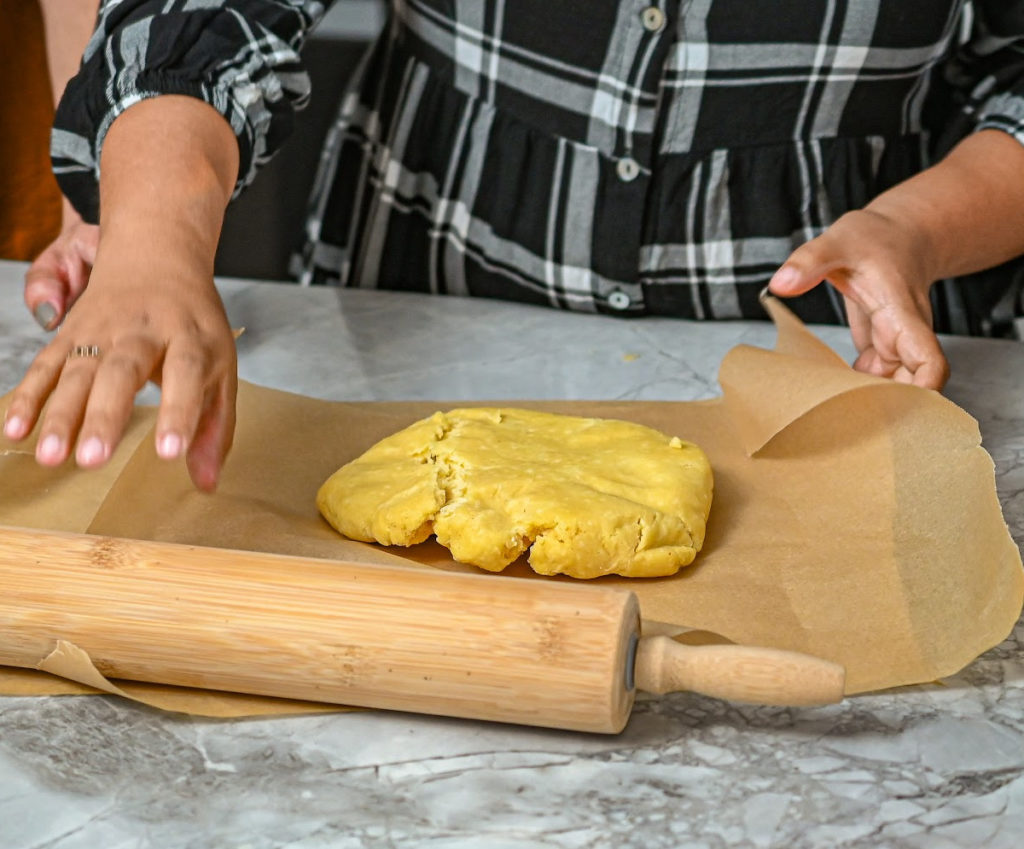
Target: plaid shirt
point(631, 157)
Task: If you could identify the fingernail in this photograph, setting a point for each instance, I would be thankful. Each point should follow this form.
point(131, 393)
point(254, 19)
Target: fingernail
point(49, 449)
point(785, 278)
point(169, 446)
point(91, 452)
point(14, 427)
point(45, 314)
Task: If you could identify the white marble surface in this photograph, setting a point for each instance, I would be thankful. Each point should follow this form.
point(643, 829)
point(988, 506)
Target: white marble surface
point(925, 767)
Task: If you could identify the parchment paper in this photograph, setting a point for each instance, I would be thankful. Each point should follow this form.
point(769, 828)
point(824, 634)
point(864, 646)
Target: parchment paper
point(853, 518)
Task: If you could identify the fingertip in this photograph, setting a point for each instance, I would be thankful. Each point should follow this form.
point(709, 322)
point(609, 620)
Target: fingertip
point(15, 427)
point(932, 375)
point(91, 453)
point(871, 362)
point(204, 473)
point(204, 461)
point(51, 450)
point(169, 445)
point(790, 280)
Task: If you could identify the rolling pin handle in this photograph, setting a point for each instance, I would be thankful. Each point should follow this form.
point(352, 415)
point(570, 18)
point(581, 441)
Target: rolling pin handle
point(757, 675)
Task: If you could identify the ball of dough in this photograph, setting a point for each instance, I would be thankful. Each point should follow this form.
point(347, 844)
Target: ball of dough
point(587, 497)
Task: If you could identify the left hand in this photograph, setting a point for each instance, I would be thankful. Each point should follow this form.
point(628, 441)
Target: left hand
point(882, 269)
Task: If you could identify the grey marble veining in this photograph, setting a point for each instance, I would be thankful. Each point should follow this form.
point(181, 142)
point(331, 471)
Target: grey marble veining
point(925, 767)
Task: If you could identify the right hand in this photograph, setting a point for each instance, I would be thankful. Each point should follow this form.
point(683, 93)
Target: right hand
point(61, 272)
point(153, 318)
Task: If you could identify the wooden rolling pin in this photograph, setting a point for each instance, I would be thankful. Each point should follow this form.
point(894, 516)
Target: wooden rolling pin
point(542, 653)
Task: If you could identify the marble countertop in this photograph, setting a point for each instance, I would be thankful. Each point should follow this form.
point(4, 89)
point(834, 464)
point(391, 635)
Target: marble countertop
point(930, 766)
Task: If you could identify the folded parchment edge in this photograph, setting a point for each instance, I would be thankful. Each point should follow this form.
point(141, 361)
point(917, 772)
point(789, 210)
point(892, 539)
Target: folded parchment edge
point(69, 662)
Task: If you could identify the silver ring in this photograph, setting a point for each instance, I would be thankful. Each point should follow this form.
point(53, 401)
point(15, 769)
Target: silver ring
point(84, 351)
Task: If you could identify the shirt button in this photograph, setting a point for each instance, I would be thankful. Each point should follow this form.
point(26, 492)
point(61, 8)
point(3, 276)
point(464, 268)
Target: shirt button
point(653, 19)
point(618, 300)
point(627, 169)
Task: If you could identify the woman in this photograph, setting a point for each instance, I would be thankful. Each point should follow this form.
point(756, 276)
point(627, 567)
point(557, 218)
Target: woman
point(665, 158)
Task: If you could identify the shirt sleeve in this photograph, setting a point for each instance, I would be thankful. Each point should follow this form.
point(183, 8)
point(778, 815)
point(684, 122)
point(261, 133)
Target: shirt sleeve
point(240, 56)
point(986, 76)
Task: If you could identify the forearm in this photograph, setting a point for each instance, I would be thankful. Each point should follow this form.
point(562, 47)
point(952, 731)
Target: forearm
point(967, 211)
point(168, 169)
point(67, 24)
point(240, 55)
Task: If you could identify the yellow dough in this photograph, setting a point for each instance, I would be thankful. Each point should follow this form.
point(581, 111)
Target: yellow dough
point(588, 497)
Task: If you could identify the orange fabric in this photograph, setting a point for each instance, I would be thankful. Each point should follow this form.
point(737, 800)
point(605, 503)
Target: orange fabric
point(29, 197)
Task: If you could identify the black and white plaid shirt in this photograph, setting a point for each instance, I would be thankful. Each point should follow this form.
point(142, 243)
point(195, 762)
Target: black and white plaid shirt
point(627, 156)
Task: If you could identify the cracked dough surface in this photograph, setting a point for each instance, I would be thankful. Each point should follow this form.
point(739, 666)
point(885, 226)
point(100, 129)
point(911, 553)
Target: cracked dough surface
point(587, 497)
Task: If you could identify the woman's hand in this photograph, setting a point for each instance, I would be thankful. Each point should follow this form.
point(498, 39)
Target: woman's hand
point(882, 269)
point(60, 273)
point(149, 320)
point(960, 215)
point(147, 309)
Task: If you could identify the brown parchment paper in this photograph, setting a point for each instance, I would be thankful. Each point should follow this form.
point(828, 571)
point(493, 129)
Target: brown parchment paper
point(854, 518)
